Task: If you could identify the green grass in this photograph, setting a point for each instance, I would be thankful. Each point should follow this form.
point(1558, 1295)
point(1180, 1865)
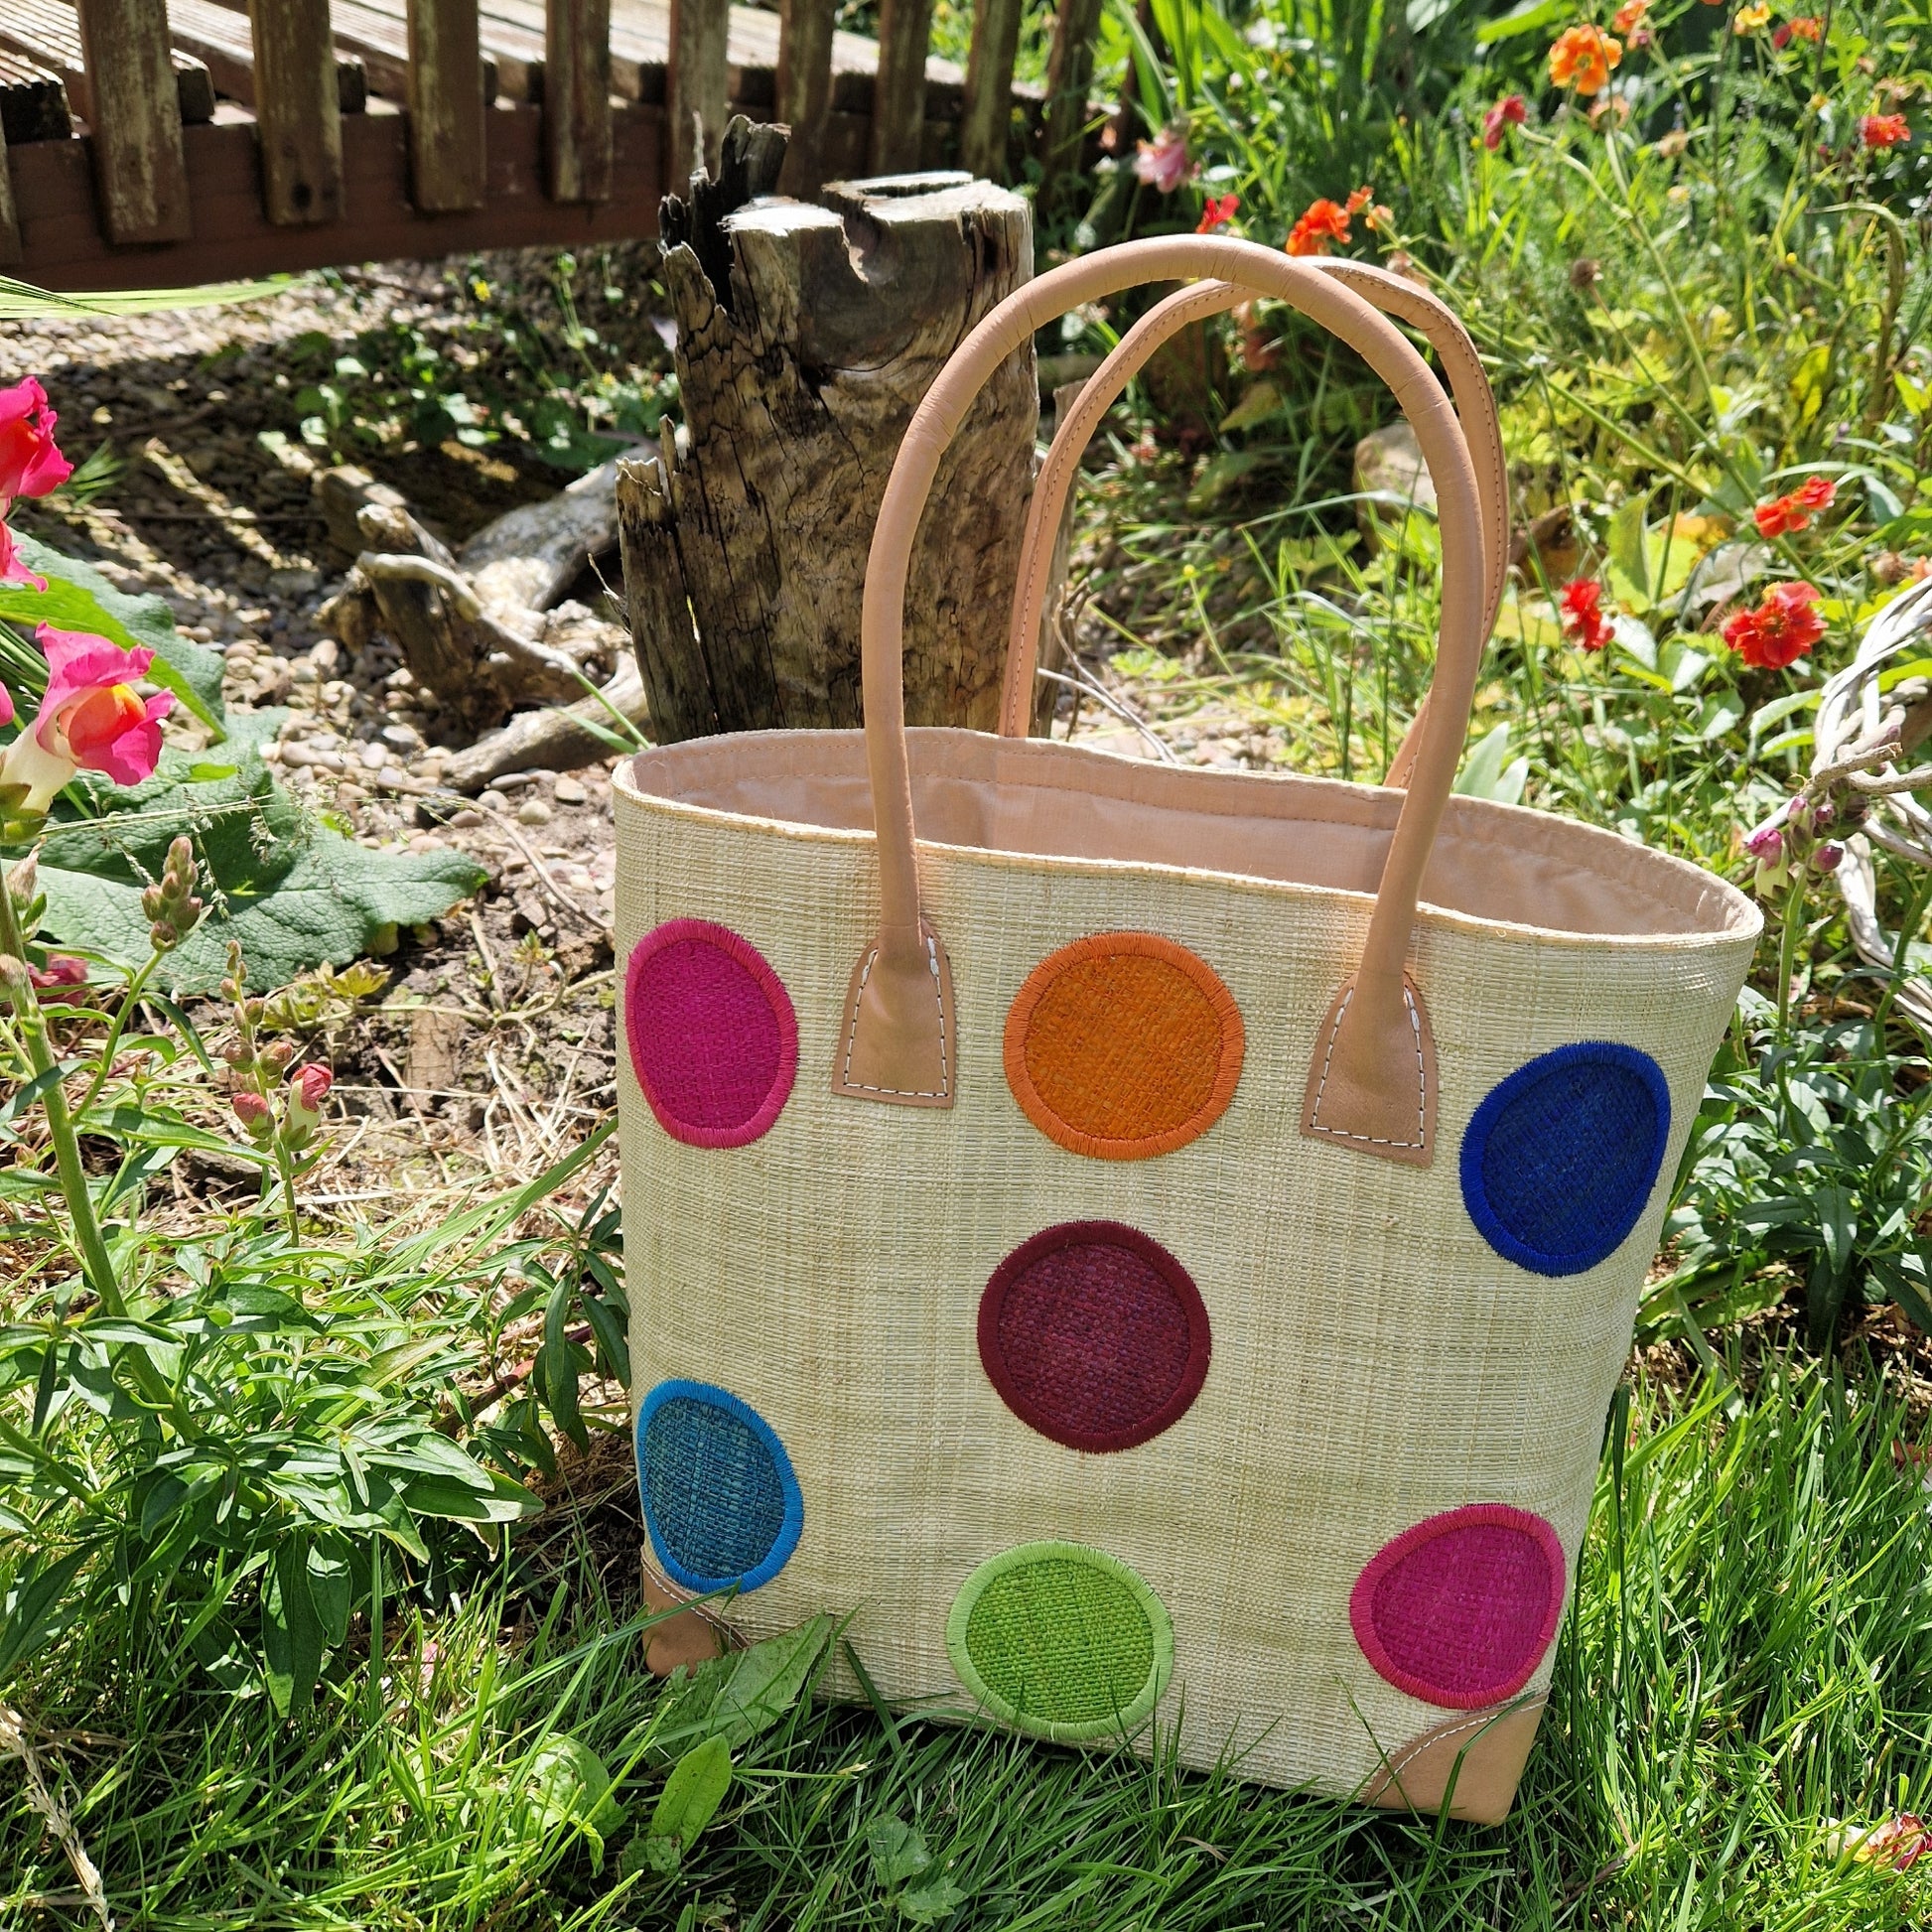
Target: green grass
point(1749, 1662)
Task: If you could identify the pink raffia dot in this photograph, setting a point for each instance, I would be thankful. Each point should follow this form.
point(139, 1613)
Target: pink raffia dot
point(714, 1038)
point(1460, 1609)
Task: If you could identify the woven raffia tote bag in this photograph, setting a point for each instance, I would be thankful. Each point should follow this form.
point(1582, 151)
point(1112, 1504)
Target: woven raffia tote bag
point(1156, 1245)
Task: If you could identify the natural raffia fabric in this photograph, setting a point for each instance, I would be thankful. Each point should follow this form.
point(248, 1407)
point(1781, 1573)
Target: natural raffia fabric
point(1375, 1362)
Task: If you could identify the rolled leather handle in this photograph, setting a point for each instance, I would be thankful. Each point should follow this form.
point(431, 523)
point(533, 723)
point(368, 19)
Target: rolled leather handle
point(1371, 1083)
point(1476, 405)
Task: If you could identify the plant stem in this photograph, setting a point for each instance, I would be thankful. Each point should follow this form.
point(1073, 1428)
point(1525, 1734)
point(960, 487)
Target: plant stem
point(96, 1262)
point(1794, 921)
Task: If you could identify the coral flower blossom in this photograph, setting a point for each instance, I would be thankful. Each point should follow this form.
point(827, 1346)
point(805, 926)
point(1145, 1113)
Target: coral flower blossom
point(1581, 600)
point(90, 720)
point(1783, 628)
point(1801, 27)
point(1511, 112)
point(30, 462)
point(308, 1089)
point(1796, 507)
point(1582, 57)
point(1322, 222)
point(1164, 162)
point(1747, 20)
point(1630, 14)
point(1884, 130)
point(1217, 213)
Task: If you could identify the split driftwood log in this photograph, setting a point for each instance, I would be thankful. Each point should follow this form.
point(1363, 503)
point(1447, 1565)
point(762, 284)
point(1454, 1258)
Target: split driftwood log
point(483, 629)
point(807, 333)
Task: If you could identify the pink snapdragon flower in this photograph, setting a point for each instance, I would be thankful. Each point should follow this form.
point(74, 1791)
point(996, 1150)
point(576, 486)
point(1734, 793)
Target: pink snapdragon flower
point(12, 570)
point(90, 720)
point(62, 981)
point(1164, 162)
point(30, 462)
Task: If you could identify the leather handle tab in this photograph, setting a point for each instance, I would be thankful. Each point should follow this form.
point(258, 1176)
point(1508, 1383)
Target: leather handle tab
point(1475, 406)
point(1372, 1079)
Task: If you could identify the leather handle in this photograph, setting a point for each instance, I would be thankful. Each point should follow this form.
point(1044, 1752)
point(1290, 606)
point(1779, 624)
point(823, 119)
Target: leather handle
point(1371, 1083)
point(1476, 405)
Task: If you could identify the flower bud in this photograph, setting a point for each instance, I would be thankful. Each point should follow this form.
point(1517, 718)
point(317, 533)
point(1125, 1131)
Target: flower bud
point(23, 880)
point(13, 976)
point(277, 1053)
point(308, 1088)
point(1827, 857)
point(254, 1114)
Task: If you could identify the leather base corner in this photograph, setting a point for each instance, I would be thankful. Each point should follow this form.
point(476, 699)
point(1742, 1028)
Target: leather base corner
point(691, 1638)
point(898, 1044)
point(1391, 1116)
point(1482, 1754)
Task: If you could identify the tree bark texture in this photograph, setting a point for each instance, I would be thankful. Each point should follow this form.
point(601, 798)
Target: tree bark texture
point(807, 336)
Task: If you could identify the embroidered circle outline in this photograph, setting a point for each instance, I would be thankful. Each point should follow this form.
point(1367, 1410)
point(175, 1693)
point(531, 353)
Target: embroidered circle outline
point(1039, 1107)
point(1139, 1594)
point(1618, 1214)
point(1013, 1275)
point(639, 1024)
point(791, 1522)
point(1362, 1605)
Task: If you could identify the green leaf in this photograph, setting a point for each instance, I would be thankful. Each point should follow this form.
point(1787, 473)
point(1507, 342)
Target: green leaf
point(560, 1365)
point(936, 1900)
point(899, 1851)
point(691, 1794)
point(37, 1607)
point(292, 892)
point(79, 597)
point(1484, 773)
point(291, 1632)
point(1629, 570)
point(1528, 17)
point(571, 1785)
point(768, 1679)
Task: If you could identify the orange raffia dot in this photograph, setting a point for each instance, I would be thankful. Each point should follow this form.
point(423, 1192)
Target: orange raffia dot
point(1123, 1045)
point(1582, 58)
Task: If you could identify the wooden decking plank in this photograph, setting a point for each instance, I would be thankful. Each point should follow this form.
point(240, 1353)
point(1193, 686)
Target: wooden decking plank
point(382, 46)
point(221, 39)
point(233, 237)
point(49, 31)
point(516, 51)
point(32, 101)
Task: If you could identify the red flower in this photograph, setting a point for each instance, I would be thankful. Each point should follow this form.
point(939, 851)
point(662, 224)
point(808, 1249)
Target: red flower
point(62, 982)
point(1782, 629)
point(13, 570)
point(1322, 222)
point(251, 1110)
point(308, 1089)
point(1884, 130)
point(30, 464)
point(1801, 27)
point(1796, 507)
point(1581, 600)
point(1218, 213)
point(1511, 112)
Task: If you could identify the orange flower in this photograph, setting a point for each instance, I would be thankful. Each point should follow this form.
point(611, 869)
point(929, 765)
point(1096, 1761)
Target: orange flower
point(1217, 213)
point(1801, 27)
point(1796, 507)
point(1582, 57)
point(1884, 130)
point(1322, 222)
point(1782, 629)
point(1630, 14)
point(1359, 199)
point(1583, 612)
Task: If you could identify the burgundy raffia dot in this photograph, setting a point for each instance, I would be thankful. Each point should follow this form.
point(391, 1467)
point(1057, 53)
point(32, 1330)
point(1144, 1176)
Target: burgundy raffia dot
point(714, 1040)
point(1459, 1610)
point(1094, 1335)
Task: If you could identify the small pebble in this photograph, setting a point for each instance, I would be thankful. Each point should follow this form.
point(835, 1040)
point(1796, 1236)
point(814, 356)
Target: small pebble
point(533, 811)
point(393, 776)
point(403, 737)
point(569, 791)
point(374, 756)
point(469, 815)
point(491, 800)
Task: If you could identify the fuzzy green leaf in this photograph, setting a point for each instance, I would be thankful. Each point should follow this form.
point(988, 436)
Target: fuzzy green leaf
point(295, 892)
point(691, 1794)
point(79, 597)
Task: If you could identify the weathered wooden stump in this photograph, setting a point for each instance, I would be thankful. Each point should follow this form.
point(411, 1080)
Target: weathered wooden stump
point(807, 335)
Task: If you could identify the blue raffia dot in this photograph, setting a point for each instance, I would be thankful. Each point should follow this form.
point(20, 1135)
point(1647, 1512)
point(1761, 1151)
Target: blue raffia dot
point(1559, 1161)
point(720, 1502)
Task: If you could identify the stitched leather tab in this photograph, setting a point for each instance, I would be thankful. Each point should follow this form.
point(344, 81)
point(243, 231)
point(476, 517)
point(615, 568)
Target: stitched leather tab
point(1372, 1081)
point(692, 1637)
point(897, 1042)
point(1477, 1762)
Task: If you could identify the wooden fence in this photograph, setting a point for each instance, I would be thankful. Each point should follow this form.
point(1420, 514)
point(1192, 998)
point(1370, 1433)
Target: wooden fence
point(153, 143)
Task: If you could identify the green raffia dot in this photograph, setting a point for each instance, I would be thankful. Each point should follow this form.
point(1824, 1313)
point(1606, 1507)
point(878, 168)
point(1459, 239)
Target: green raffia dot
point(1061, 1641)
